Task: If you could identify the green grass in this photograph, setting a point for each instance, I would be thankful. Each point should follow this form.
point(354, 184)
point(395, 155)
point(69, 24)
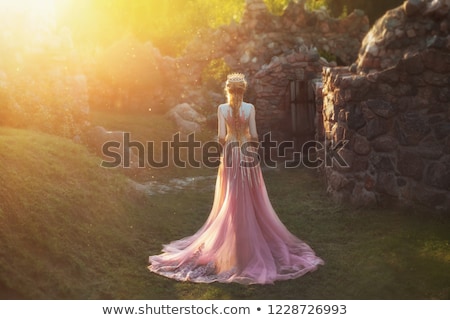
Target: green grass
point(72, 230)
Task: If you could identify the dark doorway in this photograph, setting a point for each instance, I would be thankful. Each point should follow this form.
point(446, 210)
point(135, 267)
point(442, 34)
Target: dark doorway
point(302, 112)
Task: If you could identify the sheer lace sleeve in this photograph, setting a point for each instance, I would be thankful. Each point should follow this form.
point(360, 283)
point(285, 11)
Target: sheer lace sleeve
point(221, 124)
point(252, 123)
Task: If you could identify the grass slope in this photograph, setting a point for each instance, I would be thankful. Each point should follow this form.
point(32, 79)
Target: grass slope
point(72, 230)
point(64, 223)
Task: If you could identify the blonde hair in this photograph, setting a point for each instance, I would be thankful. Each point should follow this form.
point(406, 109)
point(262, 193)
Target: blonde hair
point(235, 88)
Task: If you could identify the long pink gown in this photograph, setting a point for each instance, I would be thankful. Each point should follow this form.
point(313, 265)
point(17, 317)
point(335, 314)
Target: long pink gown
point(243, 239)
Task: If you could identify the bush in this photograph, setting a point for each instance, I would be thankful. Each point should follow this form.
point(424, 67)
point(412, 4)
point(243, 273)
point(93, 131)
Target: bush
point(128, 76)
point(41, 101)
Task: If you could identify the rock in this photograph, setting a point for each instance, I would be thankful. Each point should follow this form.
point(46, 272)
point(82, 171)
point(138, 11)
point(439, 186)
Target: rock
point(429, 197)
point(410, 165)
point(446, 148)
point(413, 7)
point(387, 183)
point(362, 197)
point(411, 128)
point(438, 8)
point(355, 118)
point(187, 112)
point(337, 181)
point(437, 79)
point(114, 142)
point(438, 174)
point(361, 145)
point(411, 33)
point(398, 119)
point(385, 143)
point(413, 64)
point(381, 162)
point(185, 126)
point(436, 61)
point(245, 58)
point(381, 108)
point(376, 127)
point(442, 130)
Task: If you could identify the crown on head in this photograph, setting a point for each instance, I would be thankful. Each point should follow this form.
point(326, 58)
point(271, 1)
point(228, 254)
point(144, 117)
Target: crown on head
point(236, 77)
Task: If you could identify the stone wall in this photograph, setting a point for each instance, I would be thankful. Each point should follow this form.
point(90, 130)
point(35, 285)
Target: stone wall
point(269, 49)
point(261, 35)
point(393, 108)
point(271, 86)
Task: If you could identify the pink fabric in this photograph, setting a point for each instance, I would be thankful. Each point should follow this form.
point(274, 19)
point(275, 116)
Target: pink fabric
point(243, 240)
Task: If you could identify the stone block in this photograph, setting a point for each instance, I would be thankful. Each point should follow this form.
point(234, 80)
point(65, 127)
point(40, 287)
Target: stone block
point(436, 60)
point(409, 164)
point(363, 197)
point(387, 183)
point(337, 181)
point(429, 197)
point(361, 145)
point(413, 64)
point(438, 174)
point(381, 108)
point(430, 149)
point(376, 127)
point(411, 128)
point(437, 79)
point(360, 163)
point(381, 162)
point(441, 130)
point(385, 143)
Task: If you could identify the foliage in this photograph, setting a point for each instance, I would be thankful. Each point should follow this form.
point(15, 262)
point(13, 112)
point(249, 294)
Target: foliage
point(40, 84)
point(338, 8)
point(277, 7)
point(315, 4)
point(127, 75)
point(169, 25)
point(214, 74)
point(327, 55)
point(41, 101)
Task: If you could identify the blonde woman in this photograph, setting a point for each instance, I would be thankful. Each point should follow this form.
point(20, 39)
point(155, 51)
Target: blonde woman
point(243, 240)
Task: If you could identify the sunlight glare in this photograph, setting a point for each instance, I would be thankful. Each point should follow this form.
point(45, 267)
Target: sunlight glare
point(44, 9)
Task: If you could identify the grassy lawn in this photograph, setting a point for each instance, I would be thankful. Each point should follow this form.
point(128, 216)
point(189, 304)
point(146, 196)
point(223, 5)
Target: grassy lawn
point(72, 230)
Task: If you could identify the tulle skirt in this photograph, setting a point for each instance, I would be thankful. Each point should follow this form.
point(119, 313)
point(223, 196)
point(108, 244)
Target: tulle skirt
point(243, 240)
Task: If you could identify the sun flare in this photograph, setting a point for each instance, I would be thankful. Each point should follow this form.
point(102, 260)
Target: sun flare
point(44, 9)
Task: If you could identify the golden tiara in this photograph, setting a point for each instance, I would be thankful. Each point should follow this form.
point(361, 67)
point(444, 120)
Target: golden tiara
point(236, 77)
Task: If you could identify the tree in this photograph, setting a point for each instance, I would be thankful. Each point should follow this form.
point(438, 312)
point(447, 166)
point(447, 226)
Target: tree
point(373, 8)
point(169, 24)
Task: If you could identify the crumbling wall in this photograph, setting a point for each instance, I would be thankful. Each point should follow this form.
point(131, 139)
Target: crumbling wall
point(393, 108)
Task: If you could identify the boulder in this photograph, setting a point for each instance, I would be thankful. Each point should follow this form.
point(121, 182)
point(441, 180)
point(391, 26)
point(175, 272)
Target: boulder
point(187, 118)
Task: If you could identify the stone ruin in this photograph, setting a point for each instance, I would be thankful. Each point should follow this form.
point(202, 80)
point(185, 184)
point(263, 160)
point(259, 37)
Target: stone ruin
point(272, 51)
point(389, 102)
point(393, 107)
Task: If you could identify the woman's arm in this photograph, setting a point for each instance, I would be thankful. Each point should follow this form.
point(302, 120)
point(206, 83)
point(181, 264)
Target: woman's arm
point(221, 128)
point(252, 124)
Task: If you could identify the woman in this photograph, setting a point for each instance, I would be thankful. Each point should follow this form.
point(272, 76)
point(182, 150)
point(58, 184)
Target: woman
point(243, 239)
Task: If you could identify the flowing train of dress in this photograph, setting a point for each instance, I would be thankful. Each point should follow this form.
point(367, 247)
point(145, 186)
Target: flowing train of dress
point(243, 240)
